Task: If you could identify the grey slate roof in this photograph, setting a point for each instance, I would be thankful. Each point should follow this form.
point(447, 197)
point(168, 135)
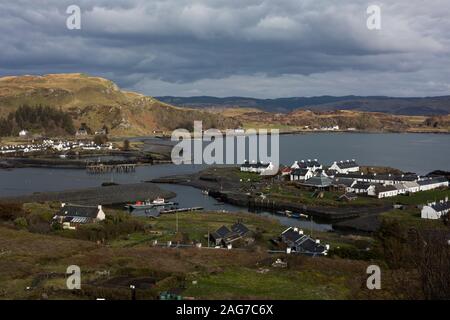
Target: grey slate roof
point(343, 181)
point(310, 246)
point(392, 177)
point(78, 211)
point(347, 164)
point(239, 228)
point(362, 185)
point(381, 188)
point(300, 172)
point(318, 181)
point(308, 163)
point(432, 180)
point(441, 206)
point(222, 232)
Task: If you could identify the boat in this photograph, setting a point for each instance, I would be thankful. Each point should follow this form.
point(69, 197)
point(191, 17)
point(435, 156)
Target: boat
point(285, 213)
point(158, 202)
point(205, 192)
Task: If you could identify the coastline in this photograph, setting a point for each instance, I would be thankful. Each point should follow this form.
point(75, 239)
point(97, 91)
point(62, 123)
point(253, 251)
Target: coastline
point(111, 195)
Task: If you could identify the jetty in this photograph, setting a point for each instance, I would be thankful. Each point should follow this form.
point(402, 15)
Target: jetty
point(114, 168)
point(181, 210)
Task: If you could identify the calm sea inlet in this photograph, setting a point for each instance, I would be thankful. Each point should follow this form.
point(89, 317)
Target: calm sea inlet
point(420, 153)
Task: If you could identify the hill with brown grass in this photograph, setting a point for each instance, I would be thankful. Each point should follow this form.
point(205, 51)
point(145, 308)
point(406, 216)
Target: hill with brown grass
point(97, 102)
point(359, 120)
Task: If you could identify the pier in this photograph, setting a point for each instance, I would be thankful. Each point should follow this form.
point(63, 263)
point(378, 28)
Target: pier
point(114, 168)
point(181, 210)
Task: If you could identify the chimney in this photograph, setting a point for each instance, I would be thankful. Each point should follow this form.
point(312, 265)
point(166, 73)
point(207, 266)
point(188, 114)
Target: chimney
point(295, 229)
point(288, 250)
point(317, 241)
point(327, 246)
point(99, 207)
point(300, 232)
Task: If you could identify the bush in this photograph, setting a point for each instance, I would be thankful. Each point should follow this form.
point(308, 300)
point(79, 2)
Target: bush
point(350, 252)
point(21, 223)
point(11, 211)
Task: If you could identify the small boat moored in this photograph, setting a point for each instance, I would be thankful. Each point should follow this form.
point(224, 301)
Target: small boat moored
point(158, 202)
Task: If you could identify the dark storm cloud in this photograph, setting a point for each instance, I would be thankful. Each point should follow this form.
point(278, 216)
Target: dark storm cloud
point(229, 47)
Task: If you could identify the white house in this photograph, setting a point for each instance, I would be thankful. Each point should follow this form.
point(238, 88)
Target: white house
point(407, 187)
point(431, 183)
point(345, 166)
point(385, 191)
point(258, 167)
point(301, 174)
point(385, 179)
point(362, 188)
point(23, 133)
point(71, 215)
point(314, 165)
point(435, 210)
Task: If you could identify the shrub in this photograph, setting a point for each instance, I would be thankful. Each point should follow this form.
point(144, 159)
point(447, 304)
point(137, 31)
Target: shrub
point(21, 223)
point(11, 211)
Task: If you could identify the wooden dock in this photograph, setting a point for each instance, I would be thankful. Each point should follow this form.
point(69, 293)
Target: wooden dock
point(113, 168)
point(181, 210)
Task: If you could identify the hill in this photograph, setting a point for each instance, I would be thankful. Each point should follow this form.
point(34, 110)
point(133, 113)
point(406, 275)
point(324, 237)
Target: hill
point(398, 106)
point(307, 120)
point(97, 102)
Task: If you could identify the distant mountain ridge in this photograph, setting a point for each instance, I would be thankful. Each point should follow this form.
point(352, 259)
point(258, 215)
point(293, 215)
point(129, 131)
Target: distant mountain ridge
point(391, 105)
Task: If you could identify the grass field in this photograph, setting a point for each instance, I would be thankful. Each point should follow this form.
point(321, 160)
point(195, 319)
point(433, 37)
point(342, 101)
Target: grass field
point(39, 262)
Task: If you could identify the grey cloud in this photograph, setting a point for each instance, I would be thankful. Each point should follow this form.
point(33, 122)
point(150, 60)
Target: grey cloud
point(228, 47)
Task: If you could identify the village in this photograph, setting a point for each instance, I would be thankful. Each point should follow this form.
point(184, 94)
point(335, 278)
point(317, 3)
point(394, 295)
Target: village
point(36, 144)
point(345, 175)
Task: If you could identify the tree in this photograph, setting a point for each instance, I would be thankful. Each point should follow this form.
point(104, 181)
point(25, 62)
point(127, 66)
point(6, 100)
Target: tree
point(100, 139)
point(126, 145)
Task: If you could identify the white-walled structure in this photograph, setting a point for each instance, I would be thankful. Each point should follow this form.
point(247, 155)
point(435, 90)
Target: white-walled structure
point(314, 165)
point(432, 183)
point(301, 174)
point(435, 210)
point(345, 166)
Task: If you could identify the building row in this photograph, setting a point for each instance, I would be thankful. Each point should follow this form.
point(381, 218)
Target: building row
point(60, 145)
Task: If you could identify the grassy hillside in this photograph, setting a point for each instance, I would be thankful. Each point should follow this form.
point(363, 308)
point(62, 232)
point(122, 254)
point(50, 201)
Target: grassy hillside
point(97, 102)
point(364, 121)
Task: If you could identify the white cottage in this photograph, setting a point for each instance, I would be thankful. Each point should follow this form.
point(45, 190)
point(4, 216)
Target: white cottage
point(345, 166)
point(314, 165)
point(435, 210)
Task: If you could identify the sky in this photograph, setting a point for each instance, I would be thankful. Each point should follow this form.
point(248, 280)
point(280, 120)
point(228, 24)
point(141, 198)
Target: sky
point(252, 48)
